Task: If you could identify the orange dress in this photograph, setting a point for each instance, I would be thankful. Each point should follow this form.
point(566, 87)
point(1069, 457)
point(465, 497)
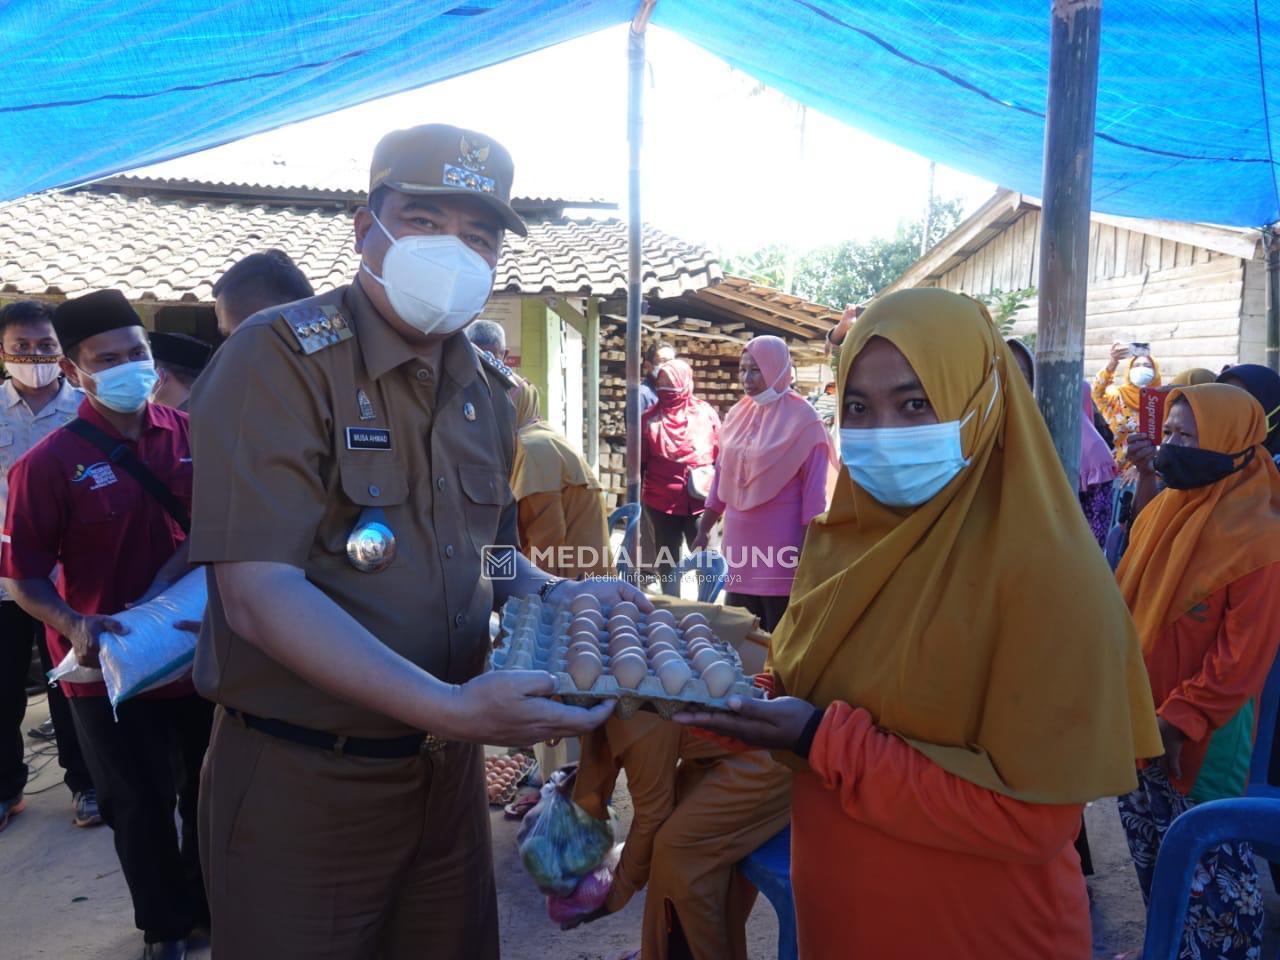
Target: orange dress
point(894, 857)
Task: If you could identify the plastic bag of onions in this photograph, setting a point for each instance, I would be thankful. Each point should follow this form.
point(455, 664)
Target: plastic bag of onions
point(559, 842)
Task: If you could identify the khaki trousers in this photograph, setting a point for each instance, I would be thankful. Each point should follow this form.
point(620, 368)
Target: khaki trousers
point(725, 809)
point(311, 855)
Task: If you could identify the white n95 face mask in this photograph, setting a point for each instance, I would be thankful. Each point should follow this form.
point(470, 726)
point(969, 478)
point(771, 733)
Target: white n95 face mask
point(436, 284)
point(1141, 376)
point(904, 466)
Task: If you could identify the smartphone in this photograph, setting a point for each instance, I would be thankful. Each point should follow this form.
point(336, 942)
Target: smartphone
point(1140, 349)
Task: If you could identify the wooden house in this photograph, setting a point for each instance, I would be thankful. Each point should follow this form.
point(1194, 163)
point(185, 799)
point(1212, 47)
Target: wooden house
point(1196, 292)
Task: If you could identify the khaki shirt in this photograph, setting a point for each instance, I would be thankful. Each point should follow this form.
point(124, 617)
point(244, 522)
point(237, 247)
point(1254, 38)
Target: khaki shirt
point(277, 479)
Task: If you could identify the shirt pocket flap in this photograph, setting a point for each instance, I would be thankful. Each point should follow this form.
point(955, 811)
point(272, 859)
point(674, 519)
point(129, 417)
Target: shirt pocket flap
point(6, 437)
point(482, 484)
point(369, 484)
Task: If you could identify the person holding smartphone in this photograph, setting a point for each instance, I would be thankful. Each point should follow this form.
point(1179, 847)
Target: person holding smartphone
point(1116, 391)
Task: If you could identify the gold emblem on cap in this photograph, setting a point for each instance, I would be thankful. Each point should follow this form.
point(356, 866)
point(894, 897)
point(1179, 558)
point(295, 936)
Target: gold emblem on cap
point(473, 156)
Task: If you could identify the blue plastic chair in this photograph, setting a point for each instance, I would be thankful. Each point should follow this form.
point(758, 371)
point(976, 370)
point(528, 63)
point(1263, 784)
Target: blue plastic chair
point(1260, 766)
point(629, 515)
point(769, 870)
point(1254, 819)
point(712, 569)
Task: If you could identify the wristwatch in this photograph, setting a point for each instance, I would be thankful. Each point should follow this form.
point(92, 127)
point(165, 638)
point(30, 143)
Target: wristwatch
point(547, 587)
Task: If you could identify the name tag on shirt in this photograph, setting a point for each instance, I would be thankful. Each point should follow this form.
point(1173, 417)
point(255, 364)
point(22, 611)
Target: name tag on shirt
point(368, 438)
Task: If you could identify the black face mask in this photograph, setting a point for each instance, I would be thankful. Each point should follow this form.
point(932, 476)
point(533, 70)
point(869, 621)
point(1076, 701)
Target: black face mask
point(1185, 468)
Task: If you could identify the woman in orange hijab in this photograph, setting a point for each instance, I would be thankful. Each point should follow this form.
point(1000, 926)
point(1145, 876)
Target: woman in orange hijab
point(773, 477)
point(1202, 577)
point(963, 674)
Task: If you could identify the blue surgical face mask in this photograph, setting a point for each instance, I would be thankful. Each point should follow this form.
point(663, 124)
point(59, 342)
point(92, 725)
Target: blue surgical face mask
point(907, 466)
point(903, 466)
point(126, 387)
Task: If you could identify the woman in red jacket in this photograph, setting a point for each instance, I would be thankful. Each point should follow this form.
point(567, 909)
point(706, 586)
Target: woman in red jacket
point(1202, 577)
point(962, 671)
point(679, 445)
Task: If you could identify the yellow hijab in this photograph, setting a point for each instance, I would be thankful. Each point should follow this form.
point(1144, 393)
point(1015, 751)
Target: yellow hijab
point(1188, 544)
point(983, 626)
point(1130, 392)
point(1193, 377)
point(544, 460)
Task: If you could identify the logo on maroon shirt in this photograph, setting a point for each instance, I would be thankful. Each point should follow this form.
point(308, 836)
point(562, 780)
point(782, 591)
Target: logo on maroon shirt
point(100, 473)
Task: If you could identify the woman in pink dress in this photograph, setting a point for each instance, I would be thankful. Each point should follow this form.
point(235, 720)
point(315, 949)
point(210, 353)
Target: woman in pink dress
point(774, 474)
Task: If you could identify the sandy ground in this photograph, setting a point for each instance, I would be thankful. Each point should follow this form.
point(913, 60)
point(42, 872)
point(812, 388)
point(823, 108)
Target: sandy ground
point(62, 895)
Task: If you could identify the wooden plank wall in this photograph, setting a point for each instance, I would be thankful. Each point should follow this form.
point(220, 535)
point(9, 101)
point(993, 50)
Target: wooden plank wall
point(1253, 313)
point(1190, 303)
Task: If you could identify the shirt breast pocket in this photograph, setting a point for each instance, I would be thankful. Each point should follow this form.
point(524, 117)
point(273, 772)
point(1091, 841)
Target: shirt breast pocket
point(8, 453)
point(485, 495)
point(369, 484)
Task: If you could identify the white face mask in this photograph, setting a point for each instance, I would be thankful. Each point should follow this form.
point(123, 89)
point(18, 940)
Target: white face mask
point(769, 395)
point(436, 284)
point(1141, 376)
point(766, 396)
point(32, 372)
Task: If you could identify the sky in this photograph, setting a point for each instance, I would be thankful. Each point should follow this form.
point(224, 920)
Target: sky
point(726, 162)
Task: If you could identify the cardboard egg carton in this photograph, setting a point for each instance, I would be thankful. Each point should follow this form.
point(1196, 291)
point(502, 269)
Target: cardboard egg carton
point(534, 636)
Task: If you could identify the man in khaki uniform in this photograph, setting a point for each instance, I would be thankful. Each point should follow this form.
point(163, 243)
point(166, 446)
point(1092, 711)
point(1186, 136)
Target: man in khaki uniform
point(352, 458)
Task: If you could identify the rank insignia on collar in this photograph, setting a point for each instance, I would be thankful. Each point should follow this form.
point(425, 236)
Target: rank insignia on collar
point(469, 410)
point(366, 407)
point(506, 376)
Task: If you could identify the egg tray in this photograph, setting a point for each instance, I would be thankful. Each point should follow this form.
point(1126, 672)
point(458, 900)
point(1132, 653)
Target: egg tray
point(527, 766)
point(533, 636)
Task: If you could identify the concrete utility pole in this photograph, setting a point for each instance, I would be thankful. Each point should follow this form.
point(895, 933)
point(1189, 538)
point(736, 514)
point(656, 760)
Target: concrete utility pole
point(1064, 221)
point(635, 127)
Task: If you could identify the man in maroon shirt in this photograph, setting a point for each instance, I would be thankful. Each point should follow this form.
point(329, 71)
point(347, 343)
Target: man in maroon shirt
point(78, 499)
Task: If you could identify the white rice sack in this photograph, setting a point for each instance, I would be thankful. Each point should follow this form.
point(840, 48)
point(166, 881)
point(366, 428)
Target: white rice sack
point(72, 672)
point(153, 652)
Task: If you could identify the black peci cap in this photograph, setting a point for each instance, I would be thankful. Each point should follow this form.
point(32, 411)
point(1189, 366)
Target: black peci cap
point(180, 350)
point(77, 320)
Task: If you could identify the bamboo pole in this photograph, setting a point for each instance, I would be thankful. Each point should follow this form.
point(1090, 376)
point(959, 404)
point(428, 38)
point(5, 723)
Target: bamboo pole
point(1064, 221)
point(635, 126)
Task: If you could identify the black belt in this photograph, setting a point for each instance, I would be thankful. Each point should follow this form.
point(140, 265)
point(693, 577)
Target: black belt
point(377, 748)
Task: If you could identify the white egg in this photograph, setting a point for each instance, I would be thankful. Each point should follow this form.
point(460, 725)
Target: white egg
point(718, 677)
point(674, 674)
point(628, 669)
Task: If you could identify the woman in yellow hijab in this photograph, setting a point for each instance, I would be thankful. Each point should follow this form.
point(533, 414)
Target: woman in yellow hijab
point(1202, 577)
point(962, 672)
point(1116, 390)
point(560, 510)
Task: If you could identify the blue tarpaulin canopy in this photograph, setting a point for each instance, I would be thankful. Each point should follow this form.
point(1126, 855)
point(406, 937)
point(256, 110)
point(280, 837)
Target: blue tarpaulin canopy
point(1183, 128)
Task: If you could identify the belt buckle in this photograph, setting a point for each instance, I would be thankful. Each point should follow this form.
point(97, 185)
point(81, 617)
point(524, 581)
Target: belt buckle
point(432, 744)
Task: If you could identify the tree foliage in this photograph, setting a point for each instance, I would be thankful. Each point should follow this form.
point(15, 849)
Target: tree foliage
point(848, 272)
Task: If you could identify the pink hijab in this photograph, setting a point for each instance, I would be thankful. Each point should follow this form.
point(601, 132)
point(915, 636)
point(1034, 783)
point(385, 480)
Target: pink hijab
point(764, 445)
point(679, 426)
point(1097, 465)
